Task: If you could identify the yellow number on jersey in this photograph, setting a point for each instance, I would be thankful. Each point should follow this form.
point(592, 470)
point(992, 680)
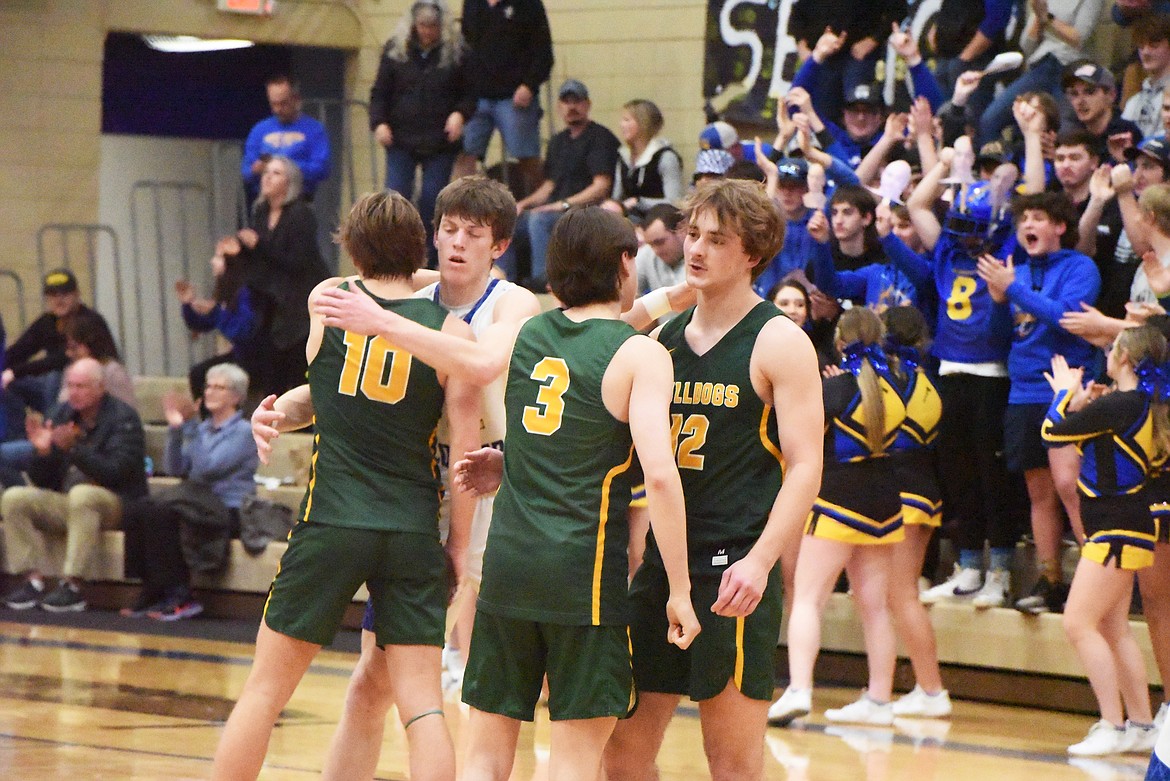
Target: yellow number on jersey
point(695, 431)
point(959, 302)
point(546, 421)
point(368, 368)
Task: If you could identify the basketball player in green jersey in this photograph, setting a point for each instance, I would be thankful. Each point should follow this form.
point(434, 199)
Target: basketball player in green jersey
point(583, 389)
point(747, 389)
point(474, 217)
point(370, 514)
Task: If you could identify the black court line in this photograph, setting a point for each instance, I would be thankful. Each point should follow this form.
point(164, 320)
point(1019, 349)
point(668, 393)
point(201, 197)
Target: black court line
point(161, 754)
point(689, 711)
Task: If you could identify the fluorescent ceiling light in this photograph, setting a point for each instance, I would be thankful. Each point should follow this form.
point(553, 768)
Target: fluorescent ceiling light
point(185, 44)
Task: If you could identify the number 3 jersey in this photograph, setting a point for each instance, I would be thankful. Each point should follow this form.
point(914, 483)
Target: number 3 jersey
point(376, 412)
point(556, 549)
point(726, 442)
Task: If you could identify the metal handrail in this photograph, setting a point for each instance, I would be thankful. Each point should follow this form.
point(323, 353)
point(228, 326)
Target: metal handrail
point(155, 188)
point(20, 302)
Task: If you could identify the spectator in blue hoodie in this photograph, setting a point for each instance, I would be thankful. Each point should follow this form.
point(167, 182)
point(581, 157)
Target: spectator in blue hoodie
point(1047, 279)
point(287, 132)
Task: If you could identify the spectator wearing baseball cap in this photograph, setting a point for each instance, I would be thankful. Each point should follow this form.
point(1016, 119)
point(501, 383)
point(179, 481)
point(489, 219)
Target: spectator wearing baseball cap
point(37, 358)
point(1155, 149)
point(791, 189)
point(578, 171)
point(1051, 39)
point(712, 164)
point(1092, 92)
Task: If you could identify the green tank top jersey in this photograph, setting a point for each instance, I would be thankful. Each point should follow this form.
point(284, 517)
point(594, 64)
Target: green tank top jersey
point(557, 547)
point(726, 444)
point(377, 410)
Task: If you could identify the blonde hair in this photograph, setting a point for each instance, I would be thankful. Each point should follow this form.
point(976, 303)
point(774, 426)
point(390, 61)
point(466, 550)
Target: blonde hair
point(1155, 200)
point(861, 324)
point(647, 115)
point(1146, 342)
point(745, 209)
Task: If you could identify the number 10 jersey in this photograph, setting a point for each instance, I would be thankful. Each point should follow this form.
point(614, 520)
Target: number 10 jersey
point(376, 413)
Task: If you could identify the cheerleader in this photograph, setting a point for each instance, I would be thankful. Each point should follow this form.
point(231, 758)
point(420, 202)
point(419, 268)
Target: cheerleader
point(854, 525)
point(913, 459)
point(1119, 435)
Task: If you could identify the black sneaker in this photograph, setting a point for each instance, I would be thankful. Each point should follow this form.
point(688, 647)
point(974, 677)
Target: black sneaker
point(66, 598)
point(28, 595)
point(1037, 602)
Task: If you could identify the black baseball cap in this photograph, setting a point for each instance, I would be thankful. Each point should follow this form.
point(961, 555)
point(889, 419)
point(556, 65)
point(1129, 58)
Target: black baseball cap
point(868, 94)
point(793, 169)
point(1089, 72)
point(1156, 148)
point(60, 281)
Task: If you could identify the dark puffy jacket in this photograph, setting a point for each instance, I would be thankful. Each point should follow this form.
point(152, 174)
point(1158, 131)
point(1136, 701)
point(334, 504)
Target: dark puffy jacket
point(415, 95)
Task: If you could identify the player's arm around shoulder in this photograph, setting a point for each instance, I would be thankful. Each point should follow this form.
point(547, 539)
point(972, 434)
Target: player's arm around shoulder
point(785, 373)
point(644, 380)
point(316, 320)
point(461, 407)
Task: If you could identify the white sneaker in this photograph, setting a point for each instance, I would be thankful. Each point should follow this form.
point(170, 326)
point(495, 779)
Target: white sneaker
point(1160, 716)
point(963, 582)
point(919, 703)
point(862, 740)
point(1140, 738)
point(453, 668)
point(996, 588)
point(793, 704)
point(864, 711)
point(1103, 739)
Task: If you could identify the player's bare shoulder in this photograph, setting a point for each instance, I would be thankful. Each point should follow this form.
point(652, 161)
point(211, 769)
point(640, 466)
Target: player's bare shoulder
point(782, 353)
point(516, 304)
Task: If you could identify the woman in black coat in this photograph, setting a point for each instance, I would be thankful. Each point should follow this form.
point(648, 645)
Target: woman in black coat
point(283, 264)
point(419, 102)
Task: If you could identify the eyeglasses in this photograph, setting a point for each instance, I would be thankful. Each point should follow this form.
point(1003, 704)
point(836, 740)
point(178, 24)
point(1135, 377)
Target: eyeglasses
point(216, 386)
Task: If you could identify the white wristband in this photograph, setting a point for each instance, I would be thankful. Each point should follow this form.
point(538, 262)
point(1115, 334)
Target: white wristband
point(657, 303)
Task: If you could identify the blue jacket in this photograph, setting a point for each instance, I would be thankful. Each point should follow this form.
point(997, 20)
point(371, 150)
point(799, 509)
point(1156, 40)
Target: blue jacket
point(303, 141)
point(224, 459)
point(1045, 288)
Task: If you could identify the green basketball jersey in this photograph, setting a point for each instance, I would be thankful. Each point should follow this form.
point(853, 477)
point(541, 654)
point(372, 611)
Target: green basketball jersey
point(377, 410)
point(556, 551)
point(725, 439)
